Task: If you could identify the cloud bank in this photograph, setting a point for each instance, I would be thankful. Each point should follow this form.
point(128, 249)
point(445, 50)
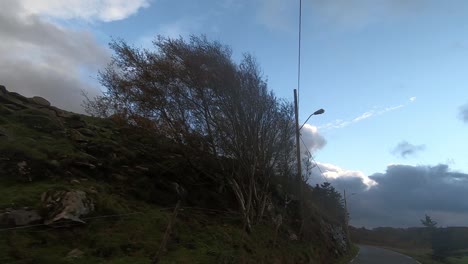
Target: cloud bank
point(405, 149)
point(41, 57)
point(403, 194)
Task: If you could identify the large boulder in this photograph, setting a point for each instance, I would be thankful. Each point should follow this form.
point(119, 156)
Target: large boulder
point(40, 101)
point(20, 217)
point(66, 206)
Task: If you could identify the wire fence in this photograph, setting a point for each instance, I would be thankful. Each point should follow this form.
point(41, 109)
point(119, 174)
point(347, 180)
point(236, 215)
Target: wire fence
point(70, 223)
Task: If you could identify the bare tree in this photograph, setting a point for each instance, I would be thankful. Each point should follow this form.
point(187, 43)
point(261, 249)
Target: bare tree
point(193, 92)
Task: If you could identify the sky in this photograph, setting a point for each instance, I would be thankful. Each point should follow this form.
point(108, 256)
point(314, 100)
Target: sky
point(390, 74)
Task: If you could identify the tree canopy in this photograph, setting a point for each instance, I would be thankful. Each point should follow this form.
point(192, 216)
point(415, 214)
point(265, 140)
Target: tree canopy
point(194, 93)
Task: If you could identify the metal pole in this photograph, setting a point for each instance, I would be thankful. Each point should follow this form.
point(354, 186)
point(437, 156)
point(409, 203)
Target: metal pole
point(298, 149)
point(299, 167)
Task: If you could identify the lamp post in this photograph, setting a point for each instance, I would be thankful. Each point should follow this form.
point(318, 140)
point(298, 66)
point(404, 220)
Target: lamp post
point(298, 150)
point(298, 135)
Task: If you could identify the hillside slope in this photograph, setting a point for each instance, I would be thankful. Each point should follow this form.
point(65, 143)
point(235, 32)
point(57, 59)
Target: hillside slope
point(78, 189)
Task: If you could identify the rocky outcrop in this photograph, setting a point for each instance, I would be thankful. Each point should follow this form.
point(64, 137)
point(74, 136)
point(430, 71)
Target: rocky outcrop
point(338, 236)
point(66, 206)
point(57, 206)
point(12, 101)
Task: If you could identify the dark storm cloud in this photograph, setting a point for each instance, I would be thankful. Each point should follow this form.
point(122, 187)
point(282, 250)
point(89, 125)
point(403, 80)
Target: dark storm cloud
point(464, 113)
point(42, 58)
point(404, 149)
point(403, 194)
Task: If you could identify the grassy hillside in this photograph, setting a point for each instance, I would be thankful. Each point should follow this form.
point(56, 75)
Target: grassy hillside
point(132, 181)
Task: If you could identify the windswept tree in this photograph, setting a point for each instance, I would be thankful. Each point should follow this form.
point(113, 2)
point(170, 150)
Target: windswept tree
point(194, 93)
point(439, 238)
point(428, 222)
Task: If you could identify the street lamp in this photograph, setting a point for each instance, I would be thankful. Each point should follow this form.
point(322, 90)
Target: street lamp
point(298, 153)
point(318, 112)
point(298, 135)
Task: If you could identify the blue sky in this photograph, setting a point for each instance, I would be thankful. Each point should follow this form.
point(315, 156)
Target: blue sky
point(392, 75)
point(356, 59)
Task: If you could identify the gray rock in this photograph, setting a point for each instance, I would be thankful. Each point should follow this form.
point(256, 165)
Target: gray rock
point(75, 253)
point(20, 217)
point(141, 168)
point(293, 237)
point(40, 101)
point(61, 113)
point(338, 235)
point(75, 181)
point(66, 206)
point(84, 165)
point(77, 136)
point(87, 132)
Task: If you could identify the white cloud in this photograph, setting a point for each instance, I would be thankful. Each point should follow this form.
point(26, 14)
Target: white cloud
point(412, 99)
point(363, 116)
point(339, 123)
point(332, 172)
point(312, 138)
point(104, 10)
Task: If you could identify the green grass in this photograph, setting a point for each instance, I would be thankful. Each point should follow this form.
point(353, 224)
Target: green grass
point(196, 237)
point(458, 260)
point(136, 238)
point(424, 256)
point(129, 239)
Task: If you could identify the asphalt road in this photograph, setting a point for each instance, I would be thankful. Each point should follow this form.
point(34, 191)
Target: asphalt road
point(375, 255)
